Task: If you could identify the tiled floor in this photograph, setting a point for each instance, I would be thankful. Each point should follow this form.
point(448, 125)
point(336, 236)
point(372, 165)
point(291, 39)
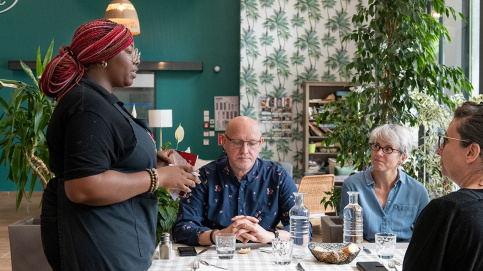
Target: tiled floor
point(8, 215)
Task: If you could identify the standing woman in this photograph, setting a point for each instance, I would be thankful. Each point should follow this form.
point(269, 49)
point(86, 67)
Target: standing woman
point(391, 200)
point(100, 210)
point(449, 232)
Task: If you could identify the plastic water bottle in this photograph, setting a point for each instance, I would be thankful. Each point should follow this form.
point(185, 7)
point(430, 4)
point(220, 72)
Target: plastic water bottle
point(353, 220)
point(300, 227)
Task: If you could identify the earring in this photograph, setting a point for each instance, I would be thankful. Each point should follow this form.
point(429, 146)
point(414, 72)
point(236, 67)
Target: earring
point(104, 64)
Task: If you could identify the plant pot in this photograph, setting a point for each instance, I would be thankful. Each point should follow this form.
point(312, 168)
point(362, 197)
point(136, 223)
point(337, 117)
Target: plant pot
point(331, 229)
point(26, 248)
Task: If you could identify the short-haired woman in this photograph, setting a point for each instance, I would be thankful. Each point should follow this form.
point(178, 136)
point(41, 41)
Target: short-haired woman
point(391, 199)
point(448, 234)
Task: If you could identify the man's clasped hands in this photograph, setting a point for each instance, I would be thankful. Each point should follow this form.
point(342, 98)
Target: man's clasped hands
point(246, 228)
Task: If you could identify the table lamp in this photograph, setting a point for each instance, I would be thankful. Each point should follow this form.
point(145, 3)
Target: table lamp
point(160, 118)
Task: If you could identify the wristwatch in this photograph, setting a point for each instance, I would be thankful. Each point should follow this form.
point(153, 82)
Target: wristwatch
point(275, 232)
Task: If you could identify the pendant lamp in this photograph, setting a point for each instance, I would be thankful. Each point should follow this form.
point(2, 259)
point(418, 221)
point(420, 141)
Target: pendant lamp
point(123, 12)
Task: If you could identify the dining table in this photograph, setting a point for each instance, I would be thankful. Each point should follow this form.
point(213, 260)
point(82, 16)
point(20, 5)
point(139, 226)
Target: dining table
point(260, 258)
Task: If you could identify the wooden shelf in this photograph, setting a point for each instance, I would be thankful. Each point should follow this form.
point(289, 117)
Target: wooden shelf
point(312, 92)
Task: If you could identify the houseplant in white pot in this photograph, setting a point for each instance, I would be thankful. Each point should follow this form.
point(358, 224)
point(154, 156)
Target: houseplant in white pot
point(23, 126)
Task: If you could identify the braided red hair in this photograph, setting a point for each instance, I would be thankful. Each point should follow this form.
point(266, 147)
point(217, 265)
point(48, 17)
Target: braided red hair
point(93, 42)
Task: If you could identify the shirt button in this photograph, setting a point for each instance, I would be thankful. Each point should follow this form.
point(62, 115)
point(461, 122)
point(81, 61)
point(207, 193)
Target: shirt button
point(384, 217)
point(388, 201)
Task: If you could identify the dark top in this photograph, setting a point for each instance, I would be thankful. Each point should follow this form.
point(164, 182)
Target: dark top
point(87, 134)
point(90, 132)
point(265, 193)
point(448, 234)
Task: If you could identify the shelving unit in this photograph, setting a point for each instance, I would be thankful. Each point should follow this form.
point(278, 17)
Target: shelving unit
point(316, 95)
point(276, 117)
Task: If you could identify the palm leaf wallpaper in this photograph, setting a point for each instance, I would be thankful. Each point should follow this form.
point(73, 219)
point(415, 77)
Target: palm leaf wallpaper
point(283, 44)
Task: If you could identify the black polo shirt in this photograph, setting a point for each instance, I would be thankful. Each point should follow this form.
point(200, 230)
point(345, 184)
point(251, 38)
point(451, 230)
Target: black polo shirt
point(87, 135)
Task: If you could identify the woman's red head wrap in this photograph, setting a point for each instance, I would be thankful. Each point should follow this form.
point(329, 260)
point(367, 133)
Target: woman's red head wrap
point(93, 42)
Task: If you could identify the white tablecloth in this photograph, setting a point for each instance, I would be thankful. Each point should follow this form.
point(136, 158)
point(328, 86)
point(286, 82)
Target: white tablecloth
point(259, 260)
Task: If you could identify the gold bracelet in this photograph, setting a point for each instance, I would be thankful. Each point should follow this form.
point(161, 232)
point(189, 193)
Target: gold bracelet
point(153, 173)
point(156, 175)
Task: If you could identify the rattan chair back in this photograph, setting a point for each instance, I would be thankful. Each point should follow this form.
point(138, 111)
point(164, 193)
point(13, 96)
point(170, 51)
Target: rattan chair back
point(315, 187)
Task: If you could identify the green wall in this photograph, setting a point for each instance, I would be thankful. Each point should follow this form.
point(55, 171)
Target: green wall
point(171, 30)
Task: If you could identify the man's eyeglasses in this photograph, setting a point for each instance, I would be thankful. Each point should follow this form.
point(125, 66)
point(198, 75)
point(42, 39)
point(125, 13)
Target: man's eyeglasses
point(443, 140)
point(238, 143)
point(136, 56)
point(376, 147)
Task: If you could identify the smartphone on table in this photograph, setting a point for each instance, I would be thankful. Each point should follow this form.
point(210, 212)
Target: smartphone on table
point(187, 251)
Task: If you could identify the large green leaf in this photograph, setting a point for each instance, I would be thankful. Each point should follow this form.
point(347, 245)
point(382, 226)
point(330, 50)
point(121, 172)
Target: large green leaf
point(48, 56)
point(29, 72)
point(23, 124)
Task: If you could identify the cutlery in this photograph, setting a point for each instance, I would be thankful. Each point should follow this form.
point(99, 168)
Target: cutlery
point(299, 267)
point(390, 263)
point(196, 264)
point(204, 250)
point(366, 250)
point(209, 264)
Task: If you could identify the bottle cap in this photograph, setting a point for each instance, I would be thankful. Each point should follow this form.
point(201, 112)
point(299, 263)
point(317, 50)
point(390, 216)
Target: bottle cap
point(165, 237)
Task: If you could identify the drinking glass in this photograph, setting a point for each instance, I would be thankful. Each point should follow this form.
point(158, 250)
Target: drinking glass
point(282, 250)
point(225, 245)
point(386, 246)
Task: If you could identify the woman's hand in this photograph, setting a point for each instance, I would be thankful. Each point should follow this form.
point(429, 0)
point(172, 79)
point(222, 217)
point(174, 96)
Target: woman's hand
point(178, 177)
point(163, 157)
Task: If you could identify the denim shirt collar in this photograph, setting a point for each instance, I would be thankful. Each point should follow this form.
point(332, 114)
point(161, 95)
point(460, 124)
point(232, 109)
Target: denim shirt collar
point(250, 176)
point(370, 180)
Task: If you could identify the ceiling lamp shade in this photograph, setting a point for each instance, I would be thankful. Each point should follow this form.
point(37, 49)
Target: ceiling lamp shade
point(123, 12)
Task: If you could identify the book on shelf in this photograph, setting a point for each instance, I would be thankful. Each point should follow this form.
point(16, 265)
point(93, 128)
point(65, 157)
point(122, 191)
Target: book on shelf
point(316, 131)
point(325, 129)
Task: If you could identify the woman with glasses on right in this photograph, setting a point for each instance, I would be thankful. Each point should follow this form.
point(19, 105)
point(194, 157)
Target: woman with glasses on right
point(448, 234)
point(391, 200)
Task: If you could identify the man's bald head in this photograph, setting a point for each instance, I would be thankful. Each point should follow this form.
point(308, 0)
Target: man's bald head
point(243, 123)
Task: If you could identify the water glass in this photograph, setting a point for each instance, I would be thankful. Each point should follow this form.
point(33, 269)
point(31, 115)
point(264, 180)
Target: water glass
point(225, 245)
point(282, 250)
point(385, 245)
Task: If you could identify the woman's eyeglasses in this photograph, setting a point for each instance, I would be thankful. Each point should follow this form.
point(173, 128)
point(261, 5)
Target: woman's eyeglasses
point(443, 140)
point(136, 56)
point(238, 143)
point(376, 147)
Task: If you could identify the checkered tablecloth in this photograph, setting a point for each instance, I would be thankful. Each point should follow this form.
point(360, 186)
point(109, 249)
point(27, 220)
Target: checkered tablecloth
point(259, 260)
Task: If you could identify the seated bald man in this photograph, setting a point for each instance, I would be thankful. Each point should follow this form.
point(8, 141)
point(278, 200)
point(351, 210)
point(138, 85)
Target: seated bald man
point(238, 193)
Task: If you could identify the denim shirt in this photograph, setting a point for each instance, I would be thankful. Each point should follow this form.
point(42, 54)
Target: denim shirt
point(265, 193)
point(405, 202)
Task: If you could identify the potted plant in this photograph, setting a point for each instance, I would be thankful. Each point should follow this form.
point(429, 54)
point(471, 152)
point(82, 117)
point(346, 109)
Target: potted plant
point(167, 206)
point(22, 130)
point(395, 61)
point(332, 224)
point(23, 126)
point(333, 199)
